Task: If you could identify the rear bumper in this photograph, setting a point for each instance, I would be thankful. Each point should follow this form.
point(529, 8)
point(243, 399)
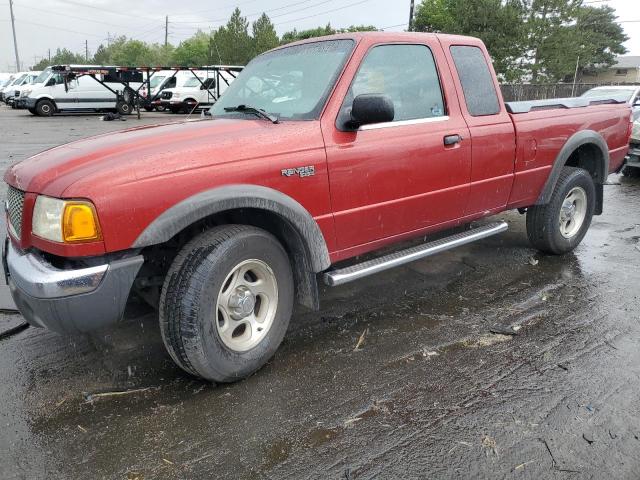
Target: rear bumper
point(633, 157)
point(69, 300)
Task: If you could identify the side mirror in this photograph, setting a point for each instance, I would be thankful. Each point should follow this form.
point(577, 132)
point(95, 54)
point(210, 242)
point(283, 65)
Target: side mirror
point(51, 82)
point(371, 108)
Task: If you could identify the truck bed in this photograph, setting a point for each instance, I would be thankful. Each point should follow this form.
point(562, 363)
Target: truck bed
point(543, 127)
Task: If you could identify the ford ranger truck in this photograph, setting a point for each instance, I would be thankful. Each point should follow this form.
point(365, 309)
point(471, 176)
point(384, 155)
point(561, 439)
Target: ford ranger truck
point(320, 151)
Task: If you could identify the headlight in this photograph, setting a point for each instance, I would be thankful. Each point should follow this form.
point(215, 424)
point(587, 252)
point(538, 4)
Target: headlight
point(25, 93)
point(65, 221)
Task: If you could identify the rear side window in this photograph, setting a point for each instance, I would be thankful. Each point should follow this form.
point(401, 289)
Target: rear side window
point(405, 73)
point(477, 81)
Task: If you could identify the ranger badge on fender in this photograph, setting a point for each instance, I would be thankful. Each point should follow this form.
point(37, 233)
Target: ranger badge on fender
point(307, 171)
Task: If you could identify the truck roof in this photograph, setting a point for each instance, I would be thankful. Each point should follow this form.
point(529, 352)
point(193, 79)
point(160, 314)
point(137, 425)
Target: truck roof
point(387, 37)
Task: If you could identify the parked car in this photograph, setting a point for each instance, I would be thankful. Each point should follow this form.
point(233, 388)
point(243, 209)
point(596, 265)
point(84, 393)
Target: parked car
point(196, 92)
point(630, 93)
point(632, 161)
point(80, 94)
point(319, 152)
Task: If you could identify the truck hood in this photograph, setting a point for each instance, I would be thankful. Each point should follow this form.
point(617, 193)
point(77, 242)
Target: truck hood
point(135, 154)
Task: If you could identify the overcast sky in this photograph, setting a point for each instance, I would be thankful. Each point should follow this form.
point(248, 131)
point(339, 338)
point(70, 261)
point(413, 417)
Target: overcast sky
point(44, 24)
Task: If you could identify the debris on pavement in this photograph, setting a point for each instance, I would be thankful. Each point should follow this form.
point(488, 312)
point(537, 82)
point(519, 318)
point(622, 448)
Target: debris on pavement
point(361, 340)
point(504, 330)
point(533, 261)
point(13, 330)
point(90, 397)
point(588, 437)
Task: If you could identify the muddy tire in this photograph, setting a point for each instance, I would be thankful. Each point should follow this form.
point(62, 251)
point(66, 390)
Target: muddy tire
point(226, 302)
point(124, 108)
point(630, 172)
point(45, 108)
point(559, 226)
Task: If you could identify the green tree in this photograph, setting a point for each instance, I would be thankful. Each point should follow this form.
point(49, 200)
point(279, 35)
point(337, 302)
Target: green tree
point(234, 45)
point(195, 51)
point(591, 44)
point(295, 35)
point(498, 23)
point(530, 39)
point(264, 35)
point(62, 56)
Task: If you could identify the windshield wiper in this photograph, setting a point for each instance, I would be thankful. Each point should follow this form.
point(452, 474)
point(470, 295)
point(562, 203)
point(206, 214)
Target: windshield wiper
point(255, 111)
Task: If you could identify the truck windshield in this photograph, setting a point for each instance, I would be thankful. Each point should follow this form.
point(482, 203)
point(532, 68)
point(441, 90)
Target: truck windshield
point(291, 83)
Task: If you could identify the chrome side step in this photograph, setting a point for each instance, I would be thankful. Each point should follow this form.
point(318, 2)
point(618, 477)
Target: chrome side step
point(364, 269)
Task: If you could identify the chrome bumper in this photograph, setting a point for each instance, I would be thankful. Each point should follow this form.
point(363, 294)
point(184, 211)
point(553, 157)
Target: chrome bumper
point(38, 278)
point(69, 300)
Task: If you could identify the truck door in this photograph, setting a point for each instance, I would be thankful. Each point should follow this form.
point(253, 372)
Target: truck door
point(407, 175)
point(493, 143)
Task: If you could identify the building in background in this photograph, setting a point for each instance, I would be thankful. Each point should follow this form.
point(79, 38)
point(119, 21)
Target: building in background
point(625, 70)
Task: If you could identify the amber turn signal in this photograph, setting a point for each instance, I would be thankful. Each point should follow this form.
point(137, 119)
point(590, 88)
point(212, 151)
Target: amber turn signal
point(80, 223)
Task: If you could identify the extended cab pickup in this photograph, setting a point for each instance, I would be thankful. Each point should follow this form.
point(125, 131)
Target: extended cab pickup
point(319, 152)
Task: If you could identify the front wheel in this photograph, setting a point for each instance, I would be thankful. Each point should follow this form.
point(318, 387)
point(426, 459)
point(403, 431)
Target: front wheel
point(45, 108)
point(226, 302)
point(560, 225)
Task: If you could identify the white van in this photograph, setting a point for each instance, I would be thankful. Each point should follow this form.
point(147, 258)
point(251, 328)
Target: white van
point(159, 81)
point(17, 78)
point(193, 93)
point(82, 94)
point(25, 85)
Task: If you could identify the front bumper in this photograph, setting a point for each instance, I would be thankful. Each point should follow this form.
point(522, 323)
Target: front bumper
point(69, 300)
point(30, 102)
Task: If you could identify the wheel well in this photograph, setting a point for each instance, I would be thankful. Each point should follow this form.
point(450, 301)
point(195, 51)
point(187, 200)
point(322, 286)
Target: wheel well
point(158, 258)
point(590, 157)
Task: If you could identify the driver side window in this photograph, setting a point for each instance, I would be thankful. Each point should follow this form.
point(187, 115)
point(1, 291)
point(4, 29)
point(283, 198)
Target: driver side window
point(407, 74)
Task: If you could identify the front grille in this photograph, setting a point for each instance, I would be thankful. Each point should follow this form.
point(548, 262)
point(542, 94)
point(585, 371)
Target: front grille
point(166, 95)
point(15, 204)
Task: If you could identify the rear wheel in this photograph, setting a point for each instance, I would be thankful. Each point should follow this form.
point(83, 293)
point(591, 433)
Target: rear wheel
point(559, 226)
point(45, 108)
point(226, 302)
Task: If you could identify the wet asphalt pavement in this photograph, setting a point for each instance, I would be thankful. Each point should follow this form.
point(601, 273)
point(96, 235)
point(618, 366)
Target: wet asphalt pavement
point(429, 393)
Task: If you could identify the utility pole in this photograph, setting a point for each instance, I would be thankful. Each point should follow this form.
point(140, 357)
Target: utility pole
point(49, 55)
point(86, 50)
point(411, 16)
point(15, 43)
point(166, 30)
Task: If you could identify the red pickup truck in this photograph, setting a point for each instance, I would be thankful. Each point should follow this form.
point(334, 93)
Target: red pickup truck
point(319, 152)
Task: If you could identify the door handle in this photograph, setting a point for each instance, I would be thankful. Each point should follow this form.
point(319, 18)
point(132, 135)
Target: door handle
point(452, 140)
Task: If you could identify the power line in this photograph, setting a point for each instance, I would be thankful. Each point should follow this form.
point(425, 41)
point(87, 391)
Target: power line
point(253, 14)
point(106, 10)
point(323, 13)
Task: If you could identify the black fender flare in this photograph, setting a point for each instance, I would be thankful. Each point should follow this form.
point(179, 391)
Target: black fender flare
point(574, 142)
point(233, 197)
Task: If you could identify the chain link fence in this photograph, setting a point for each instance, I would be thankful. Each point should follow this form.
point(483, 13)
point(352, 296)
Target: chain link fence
point(515, 92)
